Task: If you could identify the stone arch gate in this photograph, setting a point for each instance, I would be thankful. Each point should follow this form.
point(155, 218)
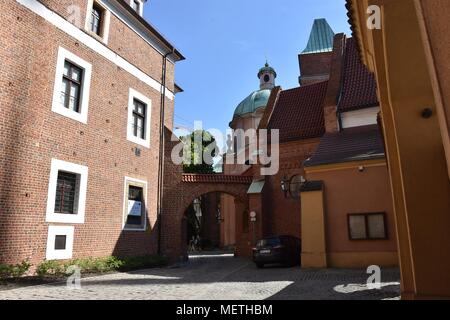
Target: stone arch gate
point(181, 190)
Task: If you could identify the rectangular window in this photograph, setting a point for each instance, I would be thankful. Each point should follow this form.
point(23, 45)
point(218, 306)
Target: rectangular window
point(139, 113)
point(72, 86)
point(60, 242)
point(72, 80)
point(67, 189)
point(97, 19)
point(370, 226)
point(135, 201)
point(66, 193)
point(135, 206)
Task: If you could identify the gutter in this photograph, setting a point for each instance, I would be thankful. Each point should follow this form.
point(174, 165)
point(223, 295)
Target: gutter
point(162, 144)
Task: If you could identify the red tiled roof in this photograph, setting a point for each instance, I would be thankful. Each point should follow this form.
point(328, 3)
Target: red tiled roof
point(216, 178)
point(298, 113)
point(359, 85)
point(352, 144)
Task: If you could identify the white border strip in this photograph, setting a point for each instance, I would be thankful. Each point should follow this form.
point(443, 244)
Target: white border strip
point(64, 25)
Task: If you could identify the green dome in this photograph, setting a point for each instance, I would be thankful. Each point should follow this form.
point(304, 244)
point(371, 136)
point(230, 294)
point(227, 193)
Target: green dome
point(253, 102)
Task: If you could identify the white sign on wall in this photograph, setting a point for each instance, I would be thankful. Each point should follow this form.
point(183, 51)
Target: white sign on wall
point(134, 208)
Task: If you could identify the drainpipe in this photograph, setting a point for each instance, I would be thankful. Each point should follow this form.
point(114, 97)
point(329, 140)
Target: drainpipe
point(161, 148)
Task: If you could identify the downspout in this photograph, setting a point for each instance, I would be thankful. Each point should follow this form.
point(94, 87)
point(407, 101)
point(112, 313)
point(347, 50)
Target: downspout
point(161, 148)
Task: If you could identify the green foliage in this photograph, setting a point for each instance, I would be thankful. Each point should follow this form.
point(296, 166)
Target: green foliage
point(14, 271)
point(95, 265)
point(197, 145)
point(99, 265)
point(50, 268)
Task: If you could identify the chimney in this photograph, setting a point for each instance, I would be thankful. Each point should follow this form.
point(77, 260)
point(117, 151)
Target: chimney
point(334, 84)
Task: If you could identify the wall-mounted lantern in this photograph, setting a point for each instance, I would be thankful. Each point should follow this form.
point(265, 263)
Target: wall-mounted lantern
point(291, 187)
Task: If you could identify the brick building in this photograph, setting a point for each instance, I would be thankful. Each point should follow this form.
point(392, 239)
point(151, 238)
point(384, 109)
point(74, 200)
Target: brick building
point(82, 86)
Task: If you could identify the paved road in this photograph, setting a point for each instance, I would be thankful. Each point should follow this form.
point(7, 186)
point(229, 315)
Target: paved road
point(219, 277)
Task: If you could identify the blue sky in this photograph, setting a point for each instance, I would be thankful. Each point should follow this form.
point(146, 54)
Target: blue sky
point(225, 42)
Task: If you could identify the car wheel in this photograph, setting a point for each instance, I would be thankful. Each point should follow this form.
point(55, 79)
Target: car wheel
point(259, 265)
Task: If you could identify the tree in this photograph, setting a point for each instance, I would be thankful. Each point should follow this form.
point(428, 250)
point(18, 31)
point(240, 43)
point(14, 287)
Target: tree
point(199, 151)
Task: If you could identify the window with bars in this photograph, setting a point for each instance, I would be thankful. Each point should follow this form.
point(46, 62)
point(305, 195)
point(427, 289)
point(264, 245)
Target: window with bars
point(139, 114)
point(368, 226)
point(66, 193)
point(97, 19)
point(71, 86)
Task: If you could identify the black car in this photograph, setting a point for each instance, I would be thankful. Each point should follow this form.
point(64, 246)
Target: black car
point(285, 250)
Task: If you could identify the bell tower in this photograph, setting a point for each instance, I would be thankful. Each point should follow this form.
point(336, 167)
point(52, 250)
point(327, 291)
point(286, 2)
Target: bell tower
point(267, 76)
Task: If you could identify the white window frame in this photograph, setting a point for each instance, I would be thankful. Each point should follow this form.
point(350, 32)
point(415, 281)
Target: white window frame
point(81, 116)
point(53, 231)
point(80, 200)
point(106, 21)
point(137, 182)
point(148, 115)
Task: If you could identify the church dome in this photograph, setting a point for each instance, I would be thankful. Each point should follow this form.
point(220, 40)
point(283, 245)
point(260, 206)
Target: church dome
point(253, 102)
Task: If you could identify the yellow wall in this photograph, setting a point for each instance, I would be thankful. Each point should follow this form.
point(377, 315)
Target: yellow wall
point(415, 148)
point(362, 259)
point(313, 230)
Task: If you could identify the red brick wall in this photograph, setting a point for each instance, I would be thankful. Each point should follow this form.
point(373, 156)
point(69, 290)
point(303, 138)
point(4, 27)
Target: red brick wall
point(314, 65)
point(31, 134)
point(282, 215)
point(122, 40)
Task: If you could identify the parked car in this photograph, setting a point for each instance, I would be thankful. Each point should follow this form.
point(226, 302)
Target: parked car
point(285, 250)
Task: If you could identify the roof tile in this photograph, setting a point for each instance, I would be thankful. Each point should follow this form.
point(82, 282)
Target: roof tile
point(359, 89)
point(298, 113)
point(353, 144)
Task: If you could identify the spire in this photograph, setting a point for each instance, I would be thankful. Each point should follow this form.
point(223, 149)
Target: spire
point(321, 38)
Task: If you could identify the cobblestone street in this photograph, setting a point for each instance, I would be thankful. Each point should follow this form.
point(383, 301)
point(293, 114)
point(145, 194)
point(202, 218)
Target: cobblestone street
point(220, 277)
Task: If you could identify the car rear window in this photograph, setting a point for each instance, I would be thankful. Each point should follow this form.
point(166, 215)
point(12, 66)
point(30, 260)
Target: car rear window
point(269, 242)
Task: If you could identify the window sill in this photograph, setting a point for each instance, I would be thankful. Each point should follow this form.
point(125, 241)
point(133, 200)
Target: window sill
point(64, 218)
point(70, 114)
point(141, 142)
point(135, 230)
point(101, 39)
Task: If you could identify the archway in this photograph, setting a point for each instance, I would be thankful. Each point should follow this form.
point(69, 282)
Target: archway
point(179, 197)
point(210, 223)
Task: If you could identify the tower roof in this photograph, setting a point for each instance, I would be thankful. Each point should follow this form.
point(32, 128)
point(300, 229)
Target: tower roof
point(321, 38)
point(267, 68)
